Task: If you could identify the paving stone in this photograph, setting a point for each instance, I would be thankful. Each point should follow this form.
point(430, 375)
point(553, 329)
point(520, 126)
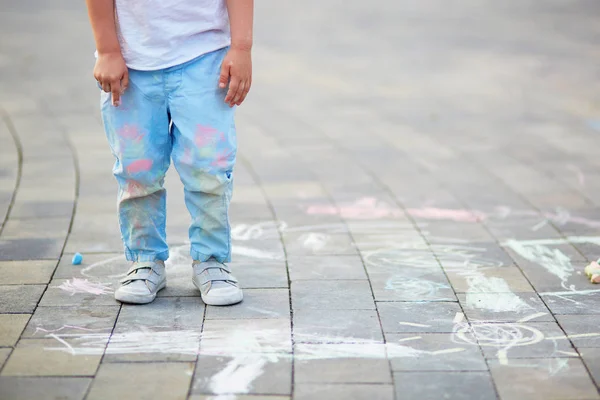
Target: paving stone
point(591, 358)
point(104, 267)
point(410, 284)
point(41, 209)
point(79, 292)
point(433, 352)
point(87, 229)
point(313, 391)
point(332, 295)
point(20, 298)
point(583, 330)
point(12, 249)
point(326, 267)
point(11, 326)
point(26, 272)
point(583, 305)
point(258, 303)
point(4, 353)
point(152, 380)
point(314, 243)
point(341, 363)
point(511, 279)
point(418, 317)
point(555, 378)
point(336, 326)
point(503, 307)
point(37, 228)
point(22, 388)
point(71, 321)
point(168, 329)
point(50, 357)
point(447, 385)
point(242, 397)
point(275, 377)
point(254, 337)
point(258, 248)
point(261, 274)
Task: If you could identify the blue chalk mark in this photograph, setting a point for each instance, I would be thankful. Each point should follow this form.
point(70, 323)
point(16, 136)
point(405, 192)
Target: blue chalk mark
point(77, 258)
point(594, 124)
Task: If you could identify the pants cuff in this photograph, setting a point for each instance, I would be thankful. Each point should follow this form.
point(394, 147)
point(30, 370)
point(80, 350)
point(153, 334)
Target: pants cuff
point(142, 256)
point(198, 256)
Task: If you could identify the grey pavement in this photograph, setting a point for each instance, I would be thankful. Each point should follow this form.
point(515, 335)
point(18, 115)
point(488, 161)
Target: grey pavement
point(417, 194)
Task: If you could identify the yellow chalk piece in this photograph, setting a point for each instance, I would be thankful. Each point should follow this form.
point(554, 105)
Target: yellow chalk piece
point(593, 272)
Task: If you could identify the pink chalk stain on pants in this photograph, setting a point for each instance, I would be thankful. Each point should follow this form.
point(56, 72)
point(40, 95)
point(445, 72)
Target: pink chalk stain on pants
point(139, 166)
point(207, 135)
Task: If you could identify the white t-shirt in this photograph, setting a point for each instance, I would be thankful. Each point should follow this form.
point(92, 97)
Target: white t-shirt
point(157, 34)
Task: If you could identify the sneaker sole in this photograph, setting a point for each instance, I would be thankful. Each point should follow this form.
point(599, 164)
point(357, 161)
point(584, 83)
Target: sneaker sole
point(130, 298)
point(221, 300)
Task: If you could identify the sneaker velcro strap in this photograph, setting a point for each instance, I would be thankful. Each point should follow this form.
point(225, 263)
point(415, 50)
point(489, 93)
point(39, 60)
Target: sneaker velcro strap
point(147, 275)
point(212, 274)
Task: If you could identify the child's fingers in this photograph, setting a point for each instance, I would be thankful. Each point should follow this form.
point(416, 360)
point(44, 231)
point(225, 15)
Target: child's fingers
point(224, 76)
point(105, 86)
point(245, 93)
point(115, 89)
point(233, 88)
point(125, 81)
point(239, 94)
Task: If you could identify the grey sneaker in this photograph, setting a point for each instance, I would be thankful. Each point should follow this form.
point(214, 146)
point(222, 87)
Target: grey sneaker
point(216, 284)
point(143, 281)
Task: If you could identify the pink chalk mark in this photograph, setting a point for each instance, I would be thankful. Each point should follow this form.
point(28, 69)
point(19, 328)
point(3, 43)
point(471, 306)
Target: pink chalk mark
point(139, 166)
point(365, 208)
point(370, 207)
point(457, 215)
point(207, 135)
point(76, 285)
point(130, 132)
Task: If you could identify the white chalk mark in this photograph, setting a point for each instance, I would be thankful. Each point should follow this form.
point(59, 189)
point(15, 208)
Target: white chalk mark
point(568, 353)
point(571, 292)
point(255, 253)
point(67, 345)
point(409, 339)
point(238, 375)
point(447, 351)
point(502, 356)
point(261, 230)
point(459, 317)
point(314, 241)
point(492, 294)
point(533, 316)
point(265, 312)
point(85, 271)
point(539, 226)
point(553, 260)
point(76, 285)
point(578, 172)
point(557, 241)
point(579, 335)
point(414, 324)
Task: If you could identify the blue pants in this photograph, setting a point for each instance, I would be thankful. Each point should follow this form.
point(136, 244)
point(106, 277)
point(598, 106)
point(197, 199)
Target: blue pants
point(178, 113)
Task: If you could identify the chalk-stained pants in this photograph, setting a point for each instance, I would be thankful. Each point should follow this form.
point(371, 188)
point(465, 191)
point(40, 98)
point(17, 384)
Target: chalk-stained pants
point(177, 112)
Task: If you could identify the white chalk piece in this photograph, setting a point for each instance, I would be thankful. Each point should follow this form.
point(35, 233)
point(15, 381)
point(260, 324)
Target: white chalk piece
point(77, 258)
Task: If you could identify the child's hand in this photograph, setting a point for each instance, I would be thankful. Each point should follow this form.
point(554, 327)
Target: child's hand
point(237, 70)
point(112, 74)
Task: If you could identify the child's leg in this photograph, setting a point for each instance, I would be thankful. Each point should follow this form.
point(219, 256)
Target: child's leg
point(138, 133)
point(204, 151)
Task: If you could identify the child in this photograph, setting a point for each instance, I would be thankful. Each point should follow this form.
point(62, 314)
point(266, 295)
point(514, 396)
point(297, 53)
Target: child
point(172, 73)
